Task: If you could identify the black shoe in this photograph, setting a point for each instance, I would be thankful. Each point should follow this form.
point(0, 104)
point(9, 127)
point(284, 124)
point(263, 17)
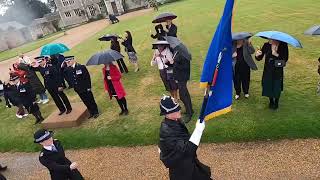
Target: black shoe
point(91, 116)
point(271, 105)
point(3, 168)
point(121, 113)
point(275, 106)
point(96, 116)
point(68, 111)
point(61, 112)
point(37, 121)
point(126, 112)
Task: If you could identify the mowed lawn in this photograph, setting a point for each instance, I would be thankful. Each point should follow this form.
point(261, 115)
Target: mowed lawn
point(250, 120)
point(29, 46)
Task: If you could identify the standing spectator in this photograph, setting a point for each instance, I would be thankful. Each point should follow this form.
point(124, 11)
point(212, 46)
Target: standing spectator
point(115, 45)
point(171, 29)
point(12, 95)
point(35, 83)
point(82, 85)
point(24, 59)
point(272, 79)
point(127, 43)
point(28, 98)
point(243, 63)
point(178, 149)
point(114, 87)
point(160, 33)
point(21, 73)
point(162, 57)
point(182, 76)
point(1, 90)
point(53, 157)
point(53, 81)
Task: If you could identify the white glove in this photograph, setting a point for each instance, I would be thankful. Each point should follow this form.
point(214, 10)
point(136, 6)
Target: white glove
point(197, 133)
point(73, 166)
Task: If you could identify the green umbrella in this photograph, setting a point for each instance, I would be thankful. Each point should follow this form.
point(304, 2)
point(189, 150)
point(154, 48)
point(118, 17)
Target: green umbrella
point(52, 49)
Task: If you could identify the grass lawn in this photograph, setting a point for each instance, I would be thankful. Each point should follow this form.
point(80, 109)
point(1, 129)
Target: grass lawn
point(29, 46)
point(250, 120)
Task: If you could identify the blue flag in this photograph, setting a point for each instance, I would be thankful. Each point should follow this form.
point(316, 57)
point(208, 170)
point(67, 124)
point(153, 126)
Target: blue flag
point(217, 70)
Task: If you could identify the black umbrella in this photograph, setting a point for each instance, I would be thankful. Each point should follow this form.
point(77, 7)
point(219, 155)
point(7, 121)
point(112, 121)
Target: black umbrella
point(163, 17)
point(108, 37)
point(241, 35)
point(315, 30)
point(106, 57)
point(178, 46)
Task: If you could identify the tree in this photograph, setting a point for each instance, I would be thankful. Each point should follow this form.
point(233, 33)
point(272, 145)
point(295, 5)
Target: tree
point(24, 11)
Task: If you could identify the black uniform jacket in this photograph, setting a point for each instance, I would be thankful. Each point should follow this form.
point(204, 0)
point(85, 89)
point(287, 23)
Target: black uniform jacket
point(181, 68)
point(51, 75)
point(81, 78)
point(179, 154)
point(58, 164)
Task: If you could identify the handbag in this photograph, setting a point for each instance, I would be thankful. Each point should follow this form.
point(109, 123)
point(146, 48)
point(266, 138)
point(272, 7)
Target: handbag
point(280, 63)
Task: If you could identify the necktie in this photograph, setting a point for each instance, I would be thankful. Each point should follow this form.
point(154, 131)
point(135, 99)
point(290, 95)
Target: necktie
point(54, 149)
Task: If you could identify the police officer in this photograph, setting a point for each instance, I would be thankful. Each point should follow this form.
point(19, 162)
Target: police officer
point(177, 147)
point(28, 97)
point(53, 81)
point(82, 85)
point(53, 157)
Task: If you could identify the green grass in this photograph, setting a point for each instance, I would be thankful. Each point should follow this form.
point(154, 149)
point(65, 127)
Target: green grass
point(29, 46)
point(250, 120)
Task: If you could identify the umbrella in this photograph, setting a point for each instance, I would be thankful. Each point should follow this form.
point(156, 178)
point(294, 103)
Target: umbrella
point(241, 35)
point(52, 49)
point(315, 30)
point(163, 17)
point(178, 46)
point(280, 36)
point(106, 57)
point(108, 37)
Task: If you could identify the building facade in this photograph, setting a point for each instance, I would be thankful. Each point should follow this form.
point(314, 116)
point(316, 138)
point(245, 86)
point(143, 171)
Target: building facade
point(74, 12)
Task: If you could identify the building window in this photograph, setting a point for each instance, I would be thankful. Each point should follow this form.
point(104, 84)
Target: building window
point(92, 10)
point(68, 14)
point(65, 2)
point(102, 6)
point(71, 1)
point(78, 12)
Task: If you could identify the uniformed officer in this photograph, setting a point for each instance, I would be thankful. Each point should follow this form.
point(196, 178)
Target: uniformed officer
point(82, 85)
point(53, 157)
point(53, 81)
point(28, 97)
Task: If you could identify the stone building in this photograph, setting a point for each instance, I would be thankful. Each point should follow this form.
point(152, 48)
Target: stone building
point(74, 12)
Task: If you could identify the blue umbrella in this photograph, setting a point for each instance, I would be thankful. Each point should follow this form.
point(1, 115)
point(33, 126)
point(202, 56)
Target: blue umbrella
point(241, 35)
point(315, 30)
point(52, 49)
point(280, 36)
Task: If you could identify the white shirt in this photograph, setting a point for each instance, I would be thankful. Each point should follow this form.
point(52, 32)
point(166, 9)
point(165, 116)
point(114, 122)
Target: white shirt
point(25, 60)
point(166, 57)
point(49, 148)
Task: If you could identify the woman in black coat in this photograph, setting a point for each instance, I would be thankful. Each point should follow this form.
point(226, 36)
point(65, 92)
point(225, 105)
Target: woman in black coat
point(127, 43)
point(115, 45)
point(272, 79)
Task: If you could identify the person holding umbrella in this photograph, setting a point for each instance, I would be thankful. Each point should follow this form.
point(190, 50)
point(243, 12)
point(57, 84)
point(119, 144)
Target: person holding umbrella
point(53, 157)
point(82, 85)
point(53, 81)
point(171, 29)
point(163, 58)
point(242, 51)
point(127, 43)
point(272, 79)
point(115, 45)
point(114, 87)
point(177, 148)
point(276, 55)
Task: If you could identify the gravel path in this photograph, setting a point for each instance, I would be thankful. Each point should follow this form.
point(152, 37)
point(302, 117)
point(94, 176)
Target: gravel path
point(73, 37)
point(287, 159)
